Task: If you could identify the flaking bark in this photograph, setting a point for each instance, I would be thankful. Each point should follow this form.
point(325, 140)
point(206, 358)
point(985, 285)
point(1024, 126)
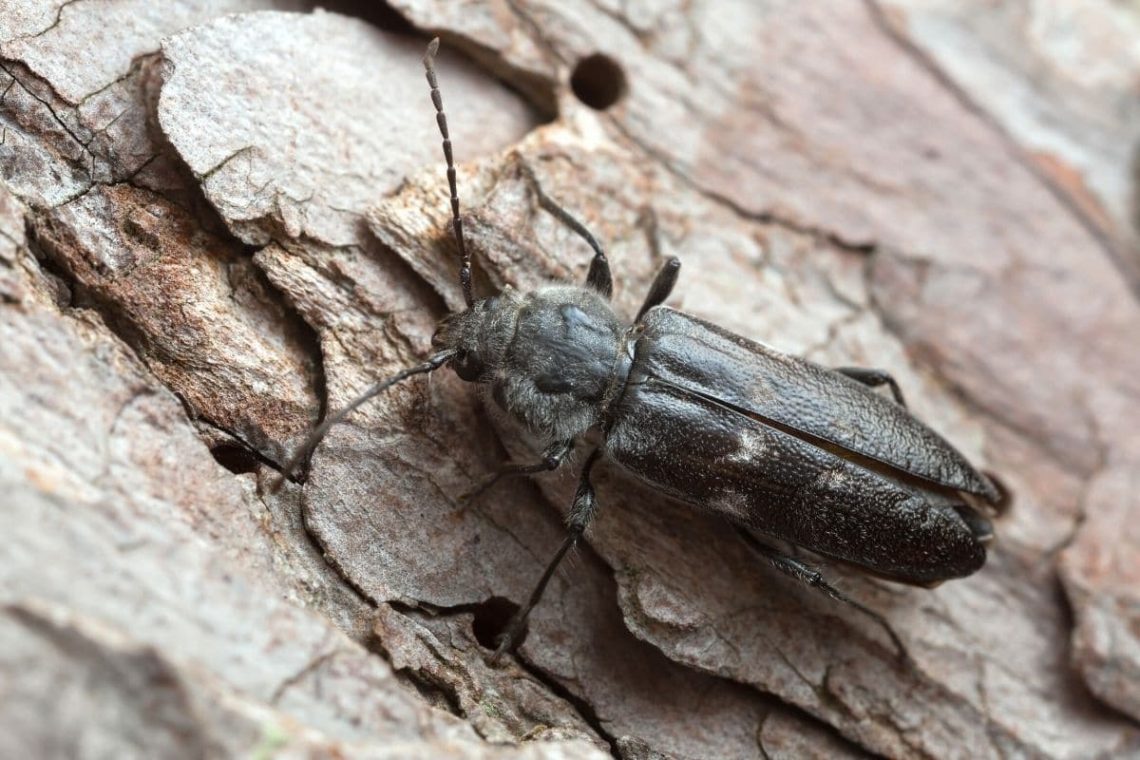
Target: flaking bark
point(215, 228)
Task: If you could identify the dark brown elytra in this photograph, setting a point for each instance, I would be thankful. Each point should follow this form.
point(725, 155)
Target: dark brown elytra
point(791, 452)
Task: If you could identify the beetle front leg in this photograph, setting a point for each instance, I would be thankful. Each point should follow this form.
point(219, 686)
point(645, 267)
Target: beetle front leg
point(805, 573)
point(552, 458)
point(599, 277)
point(873, 378)
point(581, 513)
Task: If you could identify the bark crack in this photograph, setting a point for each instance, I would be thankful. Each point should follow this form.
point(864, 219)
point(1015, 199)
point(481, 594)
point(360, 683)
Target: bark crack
point(310, 667)
point(58, 17)
point(5, 67)
point(820, 234)
point(585, 710)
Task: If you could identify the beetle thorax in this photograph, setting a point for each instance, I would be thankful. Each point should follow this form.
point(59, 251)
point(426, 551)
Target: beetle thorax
point(550, 357)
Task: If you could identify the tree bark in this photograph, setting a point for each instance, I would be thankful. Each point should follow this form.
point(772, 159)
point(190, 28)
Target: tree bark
point(216, 229)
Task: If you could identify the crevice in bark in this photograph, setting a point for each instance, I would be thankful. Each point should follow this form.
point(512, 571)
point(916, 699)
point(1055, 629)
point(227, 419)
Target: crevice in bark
point(233, 448)
point(582, 705)
point(317, 546)
point(234, 457)
point(306, 336)
point(7, 67)
point(65, 286)
point(380, 14)
point(434, 691)
point(541, 91)
point(138, 342)
point(819, 234)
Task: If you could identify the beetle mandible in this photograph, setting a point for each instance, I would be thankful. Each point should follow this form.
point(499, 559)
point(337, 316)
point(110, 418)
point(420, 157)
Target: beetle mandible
point(786, 449)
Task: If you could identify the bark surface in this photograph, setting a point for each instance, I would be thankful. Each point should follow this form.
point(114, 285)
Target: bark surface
point(220, 221)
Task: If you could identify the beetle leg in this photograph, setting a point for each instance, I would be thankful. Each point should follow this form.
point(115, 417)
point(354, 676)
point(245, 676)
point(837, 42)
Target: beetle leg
point(873, 378)
point(552, 458)
point(581, 513)
point(598, 278)
point(662, 286)
point(805, 573)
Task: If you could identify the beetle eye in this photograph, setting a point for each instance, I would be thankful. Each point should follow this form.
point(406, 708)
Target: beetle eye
point(468, 366)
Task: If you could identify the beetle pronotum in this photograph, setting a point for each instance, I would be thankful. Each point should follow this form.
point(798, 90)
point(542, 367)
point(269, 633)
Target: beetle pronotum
point(786, 449)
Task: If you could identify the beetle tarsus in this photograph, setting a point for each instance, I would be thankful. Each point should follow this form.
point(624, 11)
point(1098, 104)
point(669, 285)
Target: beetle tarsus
point(552, 458)
point(511, 635)
point(873, 378)
point(810, 576)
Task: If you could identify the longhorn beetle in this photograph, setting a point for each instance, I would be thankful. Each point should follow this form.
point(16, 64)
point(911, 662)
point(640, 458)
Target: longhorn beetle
point(791, 452)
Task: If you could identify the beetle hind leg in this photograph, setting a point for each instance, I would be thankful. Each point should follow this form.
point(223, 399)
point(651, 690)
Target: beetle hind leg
point(807, 574)
point(873, 378)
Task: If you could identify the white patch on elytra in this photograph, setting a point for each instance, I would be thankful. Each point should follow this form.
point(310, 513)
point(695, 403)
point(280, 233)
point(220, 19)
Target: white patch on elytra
point(832, 479)
point(732, 503)
point(752, 446)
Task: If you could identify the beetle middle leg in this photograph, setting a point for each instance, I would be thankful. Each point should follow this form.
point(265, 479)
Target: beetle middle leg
point(805, 573)
point(599, 277)
point(581, 513)
point(552, 458)
point(873, 378)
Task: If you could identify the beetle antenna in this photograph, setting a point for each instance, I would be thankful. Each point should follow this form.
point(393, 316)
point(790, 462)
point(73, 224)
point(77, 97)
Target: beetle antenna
point(320, 430)
point(456, 221)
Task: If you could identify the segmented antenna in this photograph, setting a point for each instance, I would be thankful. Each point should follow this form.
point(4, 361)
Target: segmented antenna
point(456, 222)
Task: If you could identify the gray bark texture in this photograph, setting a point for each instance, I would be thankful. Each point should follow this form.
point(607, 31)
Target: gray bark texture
point(219, 221)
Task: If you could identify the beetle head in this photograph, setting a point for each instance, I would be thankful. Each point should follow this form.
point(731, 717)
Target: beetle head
point(479, 335)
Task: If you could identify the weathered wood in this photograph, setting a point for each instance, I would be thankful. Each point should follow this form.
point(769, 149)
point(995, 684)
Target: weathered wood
point(212, 230)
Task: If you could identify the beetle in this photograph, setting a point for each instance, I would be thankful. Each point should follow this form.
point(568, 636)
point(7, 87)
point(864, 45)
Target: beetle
point(791, 452)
